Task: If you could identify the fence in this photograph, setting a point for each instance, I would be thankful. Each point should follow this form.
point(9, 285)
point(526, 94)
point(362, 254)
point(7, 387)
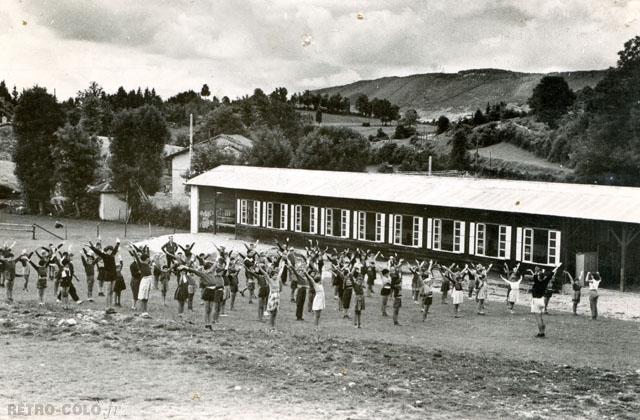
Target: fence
point(22, 227)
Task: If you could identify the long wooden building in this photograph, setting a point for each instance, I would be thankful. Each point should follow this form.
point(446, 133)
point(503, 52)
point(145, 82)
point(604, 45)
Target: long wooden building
point(586, 227)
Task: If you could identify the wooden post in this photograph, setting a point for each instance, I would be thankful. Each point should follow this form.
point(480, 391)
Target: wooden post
point(624, 240)
point(149, 229)
point(65, 231)
point(98, 230)
point(33, 232)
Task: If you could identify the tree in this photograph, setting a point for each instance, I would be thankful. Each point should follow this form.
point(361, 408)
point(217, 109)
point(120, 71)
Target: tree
point(205, 92)
point(139, 136)
point(222, 120)
point(550, 99)
point(37, 116)
point(75, 156)
point(206, 157)
point(333, 148)
point(319, 116)
point(458, 155)
point(92, 109)
point(609, 148)
point(442, 124)
point(363, 106)
point(4, 93)
point(478, 117)
point(270, 148)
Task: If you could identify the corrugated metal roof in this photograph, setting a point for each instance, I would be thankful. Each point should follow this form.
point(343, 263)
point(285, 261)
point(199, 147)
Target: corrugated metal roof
point(595, 202)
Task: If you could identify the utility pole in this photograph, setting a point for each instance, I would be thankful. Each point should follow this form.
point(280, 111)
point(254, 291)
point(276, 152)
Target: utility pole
point(190, 141)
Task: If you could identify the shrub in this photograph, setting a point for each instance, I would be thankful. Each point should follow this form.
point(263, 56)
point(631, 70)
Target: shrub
point(366, 124)
point(175, 216)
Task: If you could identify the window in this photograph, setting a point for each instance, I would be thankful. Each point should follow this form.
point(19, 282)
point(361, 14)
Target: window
point(540, 246)
point(344, 223)
point(407, 230)
point(305, 219)
point(283, 216)
point(491, 240)
point(369, 226)
point(328, 229)
point(448, 235)
point(275, 216)
point(336, 222)
point(250, 212)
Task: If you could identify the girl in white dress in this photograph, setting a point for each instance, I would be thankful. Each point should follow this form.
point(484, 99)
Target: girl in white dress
point(514, 290)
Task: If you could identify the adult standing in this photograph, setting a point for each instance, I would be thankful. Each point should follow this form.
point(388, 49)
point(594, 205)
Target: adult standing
point(540, 282)
point(594, 283)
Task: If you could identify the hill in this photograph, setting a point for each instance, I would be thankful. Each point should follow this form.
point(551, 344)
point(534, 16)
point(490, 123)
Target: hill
point(457, 94)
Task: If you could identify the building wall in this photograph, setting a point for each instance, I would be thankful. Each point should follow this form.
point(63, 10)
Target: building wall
point(112, 207)
point(179, 165)
point(574, 235)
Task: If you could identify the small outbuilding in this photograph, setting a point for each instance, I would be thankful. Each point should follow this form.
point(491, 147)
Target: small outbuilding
point(112, 205)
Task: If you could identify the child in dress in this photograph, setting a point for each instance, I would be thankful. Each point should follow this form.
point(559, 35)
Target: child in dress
point(514, 287)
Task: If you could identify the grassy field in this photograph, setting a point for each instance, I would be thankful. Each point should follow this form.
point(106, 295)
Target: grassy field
point(510, 152)
point(473, 367)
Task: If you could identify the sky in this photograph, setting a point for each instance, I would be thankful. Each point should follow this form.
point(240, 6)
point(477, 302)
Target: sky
point(236, 46)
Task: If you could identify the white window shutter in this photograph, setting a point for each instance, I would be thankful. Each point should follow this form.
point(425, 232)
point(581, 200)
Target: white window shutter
point(383, 219)
point(238, 211)
point(462, 237)
point(519, 244)
point(313, 222)
point(322, 211)
point(264, 213)
point(356, 223)
point(348, 229)
point(420, 232)
point(429, 232)
point(507, 253)
point(558, 261)
point(392, 218)
point(472, 238)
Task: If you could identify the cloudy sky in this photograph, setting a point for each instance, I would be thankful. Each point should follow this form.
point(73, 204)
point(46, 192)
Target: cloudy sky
point(235, 46)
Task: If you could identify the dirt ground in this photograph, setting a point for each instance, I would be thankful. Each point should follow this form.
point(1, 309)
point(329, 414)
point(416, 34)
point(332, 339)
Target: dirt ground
point(166, 367)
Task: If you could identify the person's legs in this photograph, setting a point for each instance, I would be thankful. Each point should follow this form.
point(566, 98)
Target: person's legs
point(300, 298)
point(396, 314)
point(385, 300)
point(190, 301)
point(26, 282)
point(90, 281)
point(217, 308)
point(356, 320)
point(541, 326)
point(262, 304)
point(426, 312)
point(9, 286)
point(143, 305)
point(593, 304)
point(317, 317)
point(207, 313)
point(181, 306)
point(65, 296)
point(108, 285)
point(41, 296)
point(272, 318)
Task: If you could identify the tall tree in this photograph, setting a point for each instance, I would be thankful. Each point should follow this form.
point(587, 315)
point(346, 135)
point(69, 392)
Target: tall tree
point(270, 148)
point(551, 98)
point(92, 109)
point(76, 156)
point(208, 156)
point(37, 116)
point(442, 124)
point(458, 156)
point(205, 92)
point(139, 136)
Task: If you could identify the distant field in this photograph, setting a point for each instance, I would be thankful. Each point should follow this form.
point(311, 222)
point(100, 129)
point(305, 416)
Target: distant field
point(331, 119)
point(509, 152)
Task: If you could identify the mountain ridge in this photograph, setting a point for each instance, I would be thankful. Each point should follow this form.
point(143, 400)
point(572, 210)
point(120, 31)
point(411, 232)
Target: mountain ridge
point(460, 93)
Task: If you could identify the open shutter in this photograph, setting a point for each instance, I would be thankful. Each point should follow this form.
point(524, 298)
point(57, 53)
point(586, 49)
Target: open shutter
point(472, 238)
point(264, 213)
point(392, 218)
point(507, 250)
point(462, 236)
point(238, 211)
point(322, 212)
point(558, 245)
point(313, 223)
point(347, 215)
point(429, 232)
point(383, 219)
point(519, 244)
point(356, 224)
point(292, 217)
point(420, 232)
